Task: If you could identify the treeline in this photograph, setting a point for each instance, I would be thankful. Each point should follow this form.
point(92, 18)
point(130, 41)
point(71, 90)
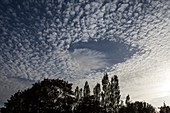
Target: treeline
point(56, 96)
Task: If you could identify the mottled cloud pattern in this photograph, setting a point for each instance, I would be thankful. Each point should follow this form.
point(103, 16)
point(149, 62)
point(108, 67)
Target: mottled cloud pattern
point(79, 40)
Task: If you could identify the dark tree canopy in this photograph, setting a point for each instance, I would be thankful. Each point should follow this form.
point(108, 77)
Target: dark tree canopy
point(137, 107)
point(89, 105)
point(48, 96)
point(56, 96)
point(164, 109)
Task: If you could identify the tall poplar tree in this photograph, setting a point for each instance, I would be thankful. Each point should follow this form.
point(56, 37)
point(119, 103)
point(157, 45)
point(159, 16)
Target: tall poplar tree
point(111, 93)
point(105, 83)
point(105, 93)
point(77, 93)
point(115, 92)
point(86, 89)
point(96, 91)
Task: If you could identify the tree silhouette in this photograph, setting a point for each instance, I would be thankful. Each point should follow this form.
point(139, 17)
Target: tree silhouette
point(127, 102)
point(86, 90)
point(114, 93)
point(48, 96)
point(137, 107)
point(77, 93)
point(96, 92)
point(56, 96)
point(164, 109)
point(105, 93)
point(105, 83)
point(110, 94)
point(89, 105)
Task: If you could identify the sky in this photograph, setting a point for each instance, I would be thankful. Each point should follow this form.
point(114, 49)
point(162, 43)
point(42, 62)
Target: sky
point(80, 40)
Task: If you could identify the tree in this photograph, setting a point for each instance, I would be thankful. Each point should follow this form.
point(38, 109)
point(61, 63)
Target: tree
point(105, 93)
point(77, 93)
point(137, 107)
point(81, 93)
point(86, 89)
point(47, 96)
point(96, 92)
point(114, 93)
point(111, 94)
point(56, 96)
point(164, 109)
point(127, 100)
point(105, 83)
point(89, 105)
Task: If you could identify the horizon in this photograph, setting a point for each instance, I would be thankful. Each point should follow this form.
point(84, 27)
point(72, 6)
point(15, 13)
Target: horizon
point(79, 40)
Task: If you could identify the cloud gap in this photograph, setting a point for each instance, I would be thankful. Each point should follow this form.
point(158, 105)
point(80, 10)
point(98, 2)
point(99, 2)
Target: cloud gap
point(114, 52)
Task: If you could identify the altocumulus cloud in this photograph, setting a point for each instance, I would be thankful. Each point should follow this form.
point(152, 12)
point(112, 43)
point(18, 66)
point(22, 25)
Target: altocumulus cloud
point(80, 40)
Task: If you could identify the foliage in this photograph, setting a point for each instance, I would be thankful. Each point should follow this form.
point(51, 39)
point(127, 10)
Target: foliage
point(96, 92)
point(164, 109)
point(56, 96)
point(88, 105)
point(110, 94)
point(137, 107)
point(48, 96)
point(86, 89)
